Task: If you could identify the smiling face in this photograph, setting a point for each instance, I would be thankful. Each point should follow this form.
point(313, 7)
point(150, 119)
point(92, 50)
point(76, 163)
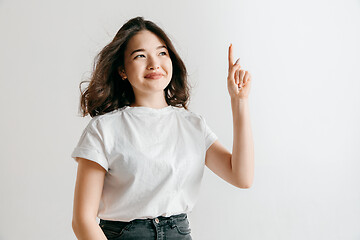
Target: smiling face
point(146, 53)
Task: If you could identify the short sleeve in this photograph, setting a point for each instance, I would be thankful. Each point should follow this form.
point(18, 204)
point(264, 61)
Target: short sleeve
point(210, 136)
point(91, 147)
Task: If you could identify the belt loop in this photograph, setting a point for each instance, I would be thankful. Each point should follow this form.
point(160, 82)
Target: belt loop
point(172, 222)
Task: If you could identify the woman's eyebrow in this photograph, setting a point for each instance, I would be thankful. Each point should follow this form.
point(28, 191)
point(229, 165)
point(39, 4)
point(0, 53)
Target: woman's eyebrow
point(142, 50)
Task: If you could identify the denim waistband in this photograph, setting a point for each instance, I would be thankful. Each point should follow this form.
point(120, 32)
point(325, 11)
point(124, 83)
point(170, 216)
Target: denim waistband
point(160, 218)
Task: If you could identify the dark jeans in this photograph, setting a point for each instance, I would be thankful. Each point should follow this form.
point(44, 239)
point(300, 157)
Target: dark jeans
point(172, 227)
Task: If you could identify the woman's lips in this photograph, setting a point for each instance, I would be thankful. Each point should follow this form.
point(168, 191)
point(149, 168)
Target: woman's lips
point(154, 76)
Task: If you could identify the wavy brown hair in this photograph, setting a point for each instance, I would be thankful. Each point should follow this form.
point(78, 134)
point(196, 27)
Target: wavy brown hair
point(107, 91)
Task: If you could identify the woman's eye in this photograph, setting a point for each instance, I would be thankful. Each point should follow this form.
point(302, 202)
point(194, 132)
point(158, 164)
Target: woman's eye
point(138, 56)
point(144, 55)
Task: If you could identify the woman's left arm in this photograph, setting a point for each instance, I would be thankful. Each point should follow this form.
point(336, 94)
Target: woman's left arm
point(242, 158)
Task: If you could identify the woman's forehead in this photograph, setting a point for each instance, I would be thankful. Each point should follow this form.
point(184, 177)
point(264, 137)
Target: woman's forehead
point(145, 40)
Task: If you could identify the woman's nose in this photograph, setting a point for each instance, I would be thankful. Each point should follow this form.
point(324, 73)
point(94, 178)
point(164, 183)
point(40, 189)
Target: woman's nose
point(152, 67)
point(153, 64)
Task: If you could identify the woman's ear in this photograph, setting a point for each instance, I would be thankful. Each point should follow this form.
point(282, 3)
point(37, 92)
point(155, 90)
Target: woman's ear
point(121, 72)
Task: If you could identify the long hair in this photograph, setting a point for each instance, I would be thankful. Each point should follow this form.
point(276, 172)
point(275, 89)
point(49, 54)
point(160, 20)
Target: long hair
point(107, 91)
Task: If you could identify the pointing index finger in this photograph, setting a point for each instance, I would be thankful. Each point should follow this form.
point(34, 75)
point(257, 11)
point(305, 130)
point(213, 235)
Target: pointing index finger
point(230, 56)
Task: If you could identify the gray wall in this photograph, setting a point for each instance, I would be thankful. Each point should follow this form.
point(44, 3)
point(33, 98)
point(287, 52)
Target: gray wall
point(304, 105)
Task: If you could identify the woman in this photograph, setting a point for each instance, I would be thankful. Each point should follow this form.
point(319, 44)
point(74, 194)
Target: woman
point(142, 155)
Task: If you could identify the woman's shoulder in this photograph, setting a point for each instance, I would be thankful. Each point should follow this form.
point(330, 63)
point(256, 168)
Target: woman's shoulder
point(97, 120)
point(191, 115)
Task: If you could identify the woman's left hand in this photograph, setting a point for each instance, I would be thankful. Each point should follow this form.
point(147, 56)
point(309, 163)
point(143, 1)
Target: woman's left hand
point(239, 80)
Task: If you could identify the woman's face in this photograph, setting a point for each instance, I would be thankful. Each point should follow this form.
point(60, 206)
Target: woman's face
point(146, 53)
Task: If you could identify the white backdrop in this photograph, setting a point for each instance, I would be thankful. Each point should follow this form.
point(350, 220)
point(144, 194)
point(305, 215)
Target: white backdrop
point(304, 57)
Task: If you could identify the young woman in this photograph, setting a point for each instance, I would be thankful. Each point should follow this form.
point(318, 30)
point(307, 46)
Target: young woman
point(142, 155)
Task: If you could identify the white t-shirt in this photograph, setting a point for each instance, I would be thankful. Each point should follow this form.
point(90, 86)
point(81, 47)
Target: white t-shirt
point(154, 159)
